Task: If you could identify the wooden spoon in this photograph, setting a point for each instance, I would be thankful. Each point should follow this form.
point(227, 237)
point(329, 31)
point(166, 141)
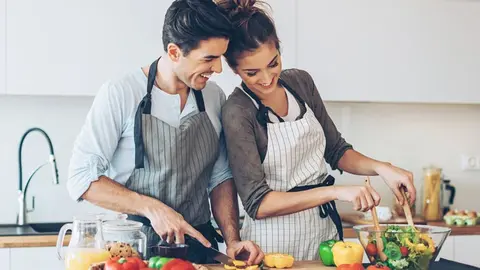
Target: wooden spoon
point(376, 226)
point(407, 210)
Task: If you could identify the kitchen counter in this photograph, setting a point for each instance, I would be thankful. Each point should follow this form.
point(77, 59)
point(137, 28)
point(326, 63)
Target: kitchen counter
point(13, 236)
point(33, 235)
point(296, 266)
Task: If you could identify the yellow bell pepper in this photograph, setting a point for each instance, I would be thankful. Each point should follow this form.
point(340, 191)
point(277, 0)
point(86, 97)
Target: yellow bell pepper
point(421, 246)
point(347, 253)
point(236, 265)
point(280, 261)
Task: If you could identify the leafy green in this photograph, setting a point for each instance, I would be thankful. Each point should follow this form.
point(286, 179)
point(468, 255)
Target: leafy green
point(395, 237)
point(399, 264)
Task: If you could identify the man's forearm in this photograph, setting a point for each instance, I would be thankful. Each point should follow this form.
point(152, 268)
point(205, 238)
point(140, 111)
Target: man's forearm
point(356, 163)
point(109, 194)
point(225, 210)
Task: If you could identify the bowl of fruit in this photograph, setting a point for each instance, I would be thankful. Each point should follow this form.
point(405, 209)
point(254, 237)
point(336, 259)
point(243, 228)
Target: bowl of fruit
point(402, 246)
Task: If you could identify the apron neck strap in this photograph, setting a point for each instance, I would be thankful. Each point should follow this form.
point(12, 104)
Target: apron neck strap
point(262, 114)
point(199, 99)
point(145, 107)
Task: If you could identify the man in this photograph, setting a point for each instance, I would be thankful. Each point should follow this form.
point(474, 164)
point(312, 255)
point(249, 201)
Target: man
point(152, 144)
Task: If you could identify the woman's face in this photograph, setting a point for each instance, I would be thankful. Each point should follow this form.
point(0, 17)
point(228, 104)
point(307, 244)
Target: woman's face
point(260, 69)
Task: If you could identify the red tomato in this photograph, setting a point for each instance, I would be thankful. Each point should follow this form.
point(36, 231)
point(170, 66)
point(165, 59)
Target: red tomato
point(177, 264)
point(124, 264)
point(404, 251)
point(377, 267)
point(371, 249)
point(353, 266)
point(141, 264)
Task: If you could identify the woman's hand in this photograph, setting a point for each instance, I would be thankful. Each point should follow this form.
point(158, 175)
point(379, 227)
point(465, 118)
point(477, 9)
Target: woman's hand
point(363, 198)
point(397, 178)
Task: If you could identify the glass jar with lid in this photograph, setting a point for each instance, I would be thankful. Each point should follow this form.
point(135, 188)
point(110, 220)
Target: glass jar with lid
point(124, 238)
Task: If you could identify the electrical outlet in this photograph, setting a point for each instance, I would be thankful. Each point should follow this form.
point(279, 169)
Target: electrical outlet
point(471, 162)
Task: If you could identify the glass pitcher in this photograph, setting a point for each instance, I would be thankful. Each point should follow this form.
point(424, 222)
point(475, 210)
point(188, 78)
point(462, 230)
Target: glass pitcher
point(86, 245)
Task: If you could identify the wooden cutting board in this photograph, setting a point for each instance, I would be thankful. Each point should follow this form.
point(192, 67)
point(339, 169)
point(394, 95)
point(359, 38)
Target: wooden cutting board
point(357, 219)
point(300, 265)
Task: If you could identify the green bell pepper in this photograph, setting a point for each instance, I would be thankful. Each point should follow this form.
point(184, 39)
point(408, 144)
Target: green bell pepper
point(325, 252)
point(157, 262)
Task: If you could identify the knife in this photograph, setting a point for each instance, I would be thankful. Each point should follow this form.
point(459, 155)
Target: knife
point(219, 256)
point(215, 254)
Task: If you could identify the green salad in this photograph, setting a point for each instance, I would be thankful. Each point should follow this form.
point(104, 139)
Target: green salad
point(403, 248)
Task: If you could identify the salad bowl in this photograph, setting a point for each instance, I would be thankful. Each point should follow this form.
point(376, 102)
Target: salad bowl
point(404, 246)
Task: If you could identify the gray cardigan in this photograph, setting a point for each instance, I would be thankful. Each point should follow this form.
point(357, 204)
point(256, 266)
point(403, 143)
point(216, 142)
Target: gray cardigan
point(247, 139)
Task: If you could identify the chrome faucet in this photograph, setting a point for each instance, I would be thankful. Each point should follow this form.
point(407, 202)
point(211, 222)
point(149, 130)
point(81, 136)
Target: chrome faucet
point(22, 211)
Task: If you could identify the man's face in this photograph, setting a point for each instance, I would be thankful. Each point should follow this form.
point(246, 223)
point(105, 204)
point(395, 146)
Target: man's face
point(195, 69)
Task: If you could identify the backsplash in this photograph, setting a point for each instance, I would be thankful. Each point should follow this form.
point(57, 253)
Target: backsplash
point(408, 135)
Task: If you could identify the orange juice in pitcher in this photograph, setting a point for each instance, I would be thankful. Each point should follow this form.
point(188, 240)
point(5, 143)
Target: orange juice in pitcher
point(86, 243)
point(83, 258)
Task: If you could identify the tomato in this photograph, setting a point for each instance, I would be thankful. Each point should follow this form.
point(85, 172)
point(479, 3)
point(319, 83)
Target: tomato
point(378, 267)
point(131, 263)
point(178, 264)
point(404, 251)
point(138, 261)
point(371, 249)
point(353, 266)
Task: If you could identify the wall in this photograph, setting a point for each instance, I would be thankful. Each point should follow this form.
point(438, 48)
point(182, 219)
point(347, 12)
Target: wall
point(409, 135)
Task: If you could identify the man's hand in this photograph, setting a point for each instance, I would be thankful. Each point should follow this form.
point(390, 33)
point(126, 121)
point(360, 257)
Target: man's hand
point(397, 178)
point(246, 251)
point(171, 226)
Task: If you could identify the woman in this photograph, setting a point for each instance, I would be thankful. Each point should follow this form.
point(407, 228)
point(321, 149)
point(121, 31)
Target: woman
point(279, 138)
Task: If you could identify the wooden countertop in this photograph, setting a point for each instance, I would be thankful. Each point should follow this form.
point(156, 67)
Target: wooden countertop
point(300, 265)
point(31, 241)
point(456, 230)
point(51, 240)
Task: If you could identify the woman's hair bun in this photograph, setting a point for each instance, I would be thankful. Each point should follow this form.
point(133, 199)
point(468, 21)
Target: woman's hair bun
point(237, 7)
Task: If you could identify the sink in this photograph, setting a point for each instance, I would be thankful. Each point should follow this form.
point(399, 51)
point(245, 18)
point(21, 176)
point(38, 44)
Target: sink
point(47, 227)
point(31, 229)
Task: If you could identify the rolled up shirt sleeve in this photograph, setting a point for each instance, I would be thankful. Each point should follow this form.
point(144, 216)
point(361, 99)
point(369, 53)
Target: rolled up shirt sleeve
point(221, 170)
point(96, 142)
point(244, 158)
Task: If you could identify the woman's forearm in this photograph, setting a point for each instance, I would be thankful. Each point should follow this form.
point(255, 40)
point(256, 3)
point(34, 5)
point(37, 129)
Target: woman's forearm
point(277, 203)
point(356, 163)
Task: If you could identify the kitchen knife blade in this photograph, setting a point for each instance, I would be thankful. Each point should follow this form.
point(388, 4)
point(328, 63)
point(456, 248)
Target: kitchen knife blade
point(214, 254)
point(219, 256)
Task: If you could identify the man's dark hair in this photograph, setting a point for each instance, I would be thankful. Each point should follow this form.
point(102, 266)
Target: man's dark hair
point(187, 22)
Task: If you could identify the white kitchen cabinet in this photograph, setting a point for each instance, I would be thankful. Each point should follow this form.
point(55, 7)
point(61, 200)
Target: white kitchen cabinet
point(283, 13)
point(448, 249)
point(70, 48)
point(2, 48)
point(466, 249)
point(391, 51)
point(5, 258)
point(39, 258)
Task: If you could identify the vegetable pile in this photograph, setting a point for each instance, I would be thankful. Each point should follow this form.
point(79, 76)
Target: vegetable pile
point(404, 248)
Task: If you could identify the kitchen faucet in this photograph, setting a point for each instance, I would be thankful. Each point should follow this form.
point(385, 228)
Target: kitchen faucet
point(22, 212)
